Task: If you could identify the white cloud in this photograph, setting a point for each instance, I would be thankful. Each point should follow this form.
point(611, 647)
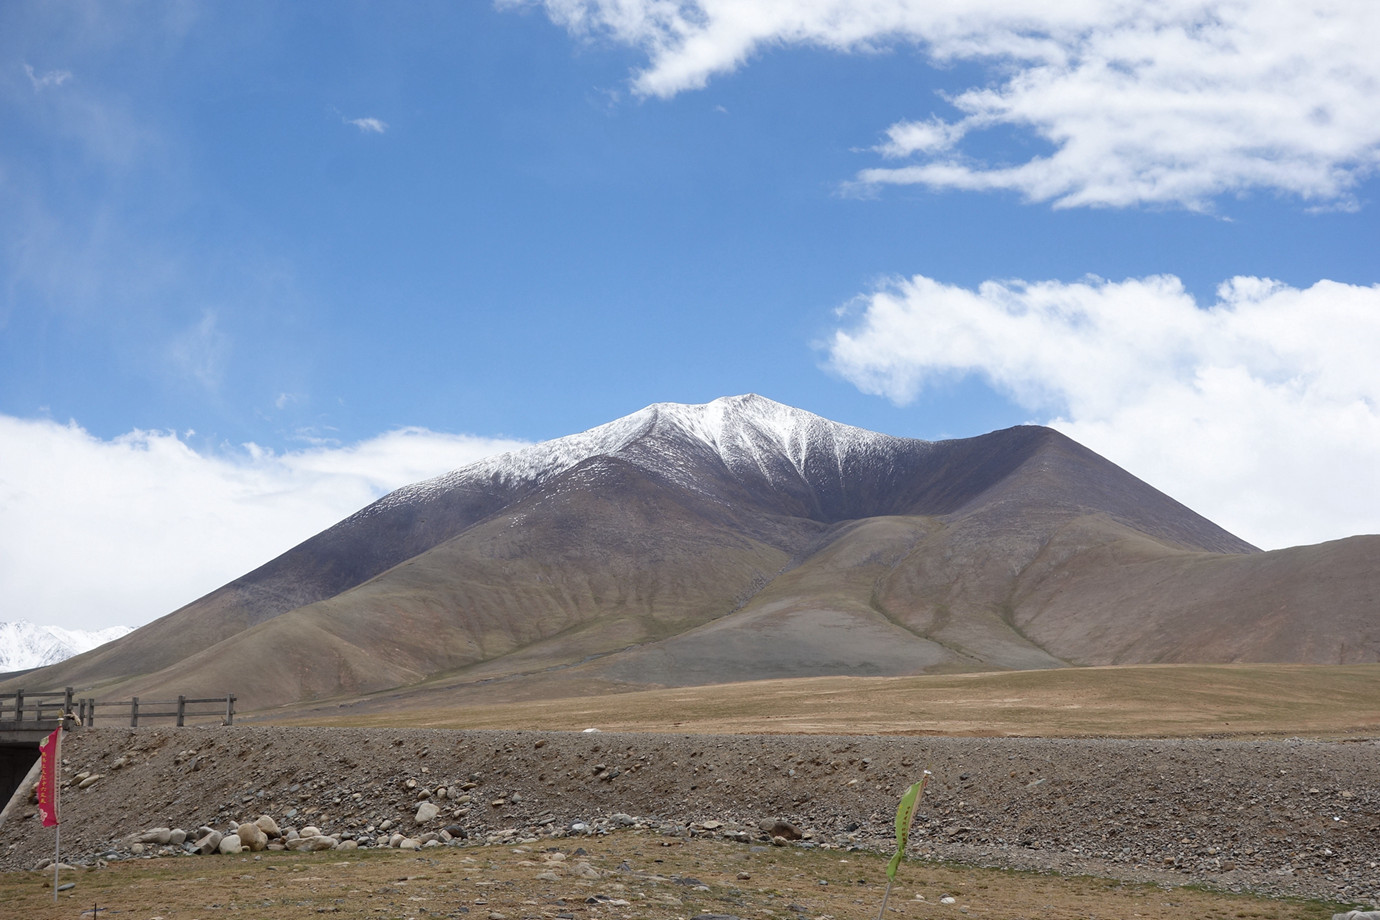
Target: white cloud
point(1172, 103)
point(42, 81)
point(1260, 411)
point(98, 532)
point(907, 138)
point(368, 125)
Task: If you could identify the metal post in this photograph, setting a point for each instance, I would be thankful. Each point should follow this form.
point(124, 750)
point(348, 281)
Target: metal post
point(181, 709)
point(229, 709)
point(134, 713)
point(19, 705)
point(91, 712)
point(66, 704)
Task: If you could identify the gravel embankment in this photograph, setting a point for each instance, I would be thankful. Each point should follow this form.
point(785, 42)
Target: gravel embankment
point(1294, 817)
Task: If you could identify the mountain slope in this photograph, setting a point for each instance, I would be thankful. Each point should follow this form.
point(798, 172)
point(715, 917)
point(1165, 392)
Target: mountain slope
point(741, 539)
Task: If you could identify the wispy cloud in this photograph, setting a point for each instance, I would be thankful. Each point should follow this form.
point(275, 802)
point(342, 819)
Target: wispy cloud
point(1167, 103)
point(47, 79)
point(98, 532)
point(368, 125)
point(201, 351)
point(1261, 410)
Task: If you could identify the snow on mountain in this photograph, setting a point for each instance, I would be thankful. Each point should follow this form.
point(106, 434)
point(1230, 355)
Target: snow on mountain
point(746, 432)
point(26, 645)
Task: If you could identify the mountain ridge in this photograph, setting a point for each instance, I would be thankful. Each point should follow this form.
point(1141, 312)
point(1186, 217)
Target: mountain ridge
point(733, 540)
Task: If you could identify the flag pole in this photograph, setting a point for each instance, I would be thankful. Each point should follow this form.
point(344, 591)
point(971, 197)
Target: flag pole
point(49, 782)
point(57, 796)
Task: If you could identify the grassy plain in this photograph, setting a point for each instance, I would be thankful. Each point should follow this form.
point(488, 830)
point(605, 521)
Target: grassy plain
point(1253, 700)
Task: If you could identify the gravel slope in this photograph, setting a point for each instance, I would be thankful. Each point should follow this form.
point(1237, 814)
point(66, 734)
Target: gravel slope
point(1294, 817)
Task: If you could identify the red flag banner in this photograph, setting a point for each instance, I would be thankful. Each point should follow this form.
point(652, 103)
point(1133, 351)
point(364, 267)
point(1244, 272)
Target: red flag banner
point(48, 778)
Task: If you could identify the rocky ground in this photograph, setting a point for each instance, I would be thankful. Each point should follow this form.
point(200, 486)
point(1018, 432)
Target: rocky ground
point(1295, 817)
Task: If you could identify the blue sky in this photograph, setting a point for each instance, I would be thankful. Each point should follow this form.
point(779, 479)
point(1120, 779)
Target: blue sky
point(261, 262)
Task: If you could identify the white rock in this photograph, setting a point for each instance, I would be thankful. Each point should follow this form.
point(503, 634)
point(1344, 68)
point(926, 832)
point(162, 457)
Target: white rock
point(584, 870)
point(427, 811)
point(230, 845)
point(313, 843)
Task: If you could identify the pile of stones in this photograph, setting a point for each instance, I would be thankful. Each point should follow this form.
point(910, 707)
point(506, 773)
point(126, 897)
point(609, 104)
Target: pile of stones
point(265, 834)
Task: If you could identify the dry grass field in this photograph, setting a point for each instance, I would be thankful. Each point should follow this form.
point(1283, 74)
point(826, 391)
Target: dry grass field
point(626, 875)
point(1113, 702)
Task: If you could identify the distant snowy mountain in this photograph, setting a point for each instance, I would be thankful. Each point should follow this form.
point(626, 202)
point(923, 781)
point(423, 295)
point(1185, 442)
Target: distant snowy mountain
point(25, 645)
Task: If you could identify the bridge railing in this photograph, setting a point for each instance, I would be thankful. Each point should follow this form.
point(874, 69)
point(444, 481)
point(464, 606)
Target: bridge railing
point(22, 706)
point(50, 705)
point(181, 709)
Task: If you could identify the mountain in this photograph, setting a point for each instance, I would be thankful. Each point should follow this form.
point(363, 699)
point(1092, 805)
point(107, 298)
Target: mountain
point(24, 645)
point(742, 539)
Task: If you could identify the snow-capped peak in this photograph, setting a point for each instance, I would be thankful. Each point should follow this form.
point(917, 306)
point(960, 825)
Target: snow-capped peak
point(26, 645)
point(745, 431)
point(751, 426)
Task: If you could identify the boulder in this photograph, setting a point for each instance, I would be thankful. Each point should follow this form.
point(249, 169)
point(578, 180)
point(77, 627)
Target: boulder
point(427, 811)
point(252, 837)
point(209, 843)
point(230, 845)
point(313, 843)
point(268, 826)
point(780, 828)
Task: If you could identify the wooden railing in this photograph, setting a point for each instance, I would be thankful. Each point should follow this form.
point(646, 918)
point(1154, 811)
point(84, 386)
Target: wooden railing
point(57, 705)
point(140, 709)
point(52, 705)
